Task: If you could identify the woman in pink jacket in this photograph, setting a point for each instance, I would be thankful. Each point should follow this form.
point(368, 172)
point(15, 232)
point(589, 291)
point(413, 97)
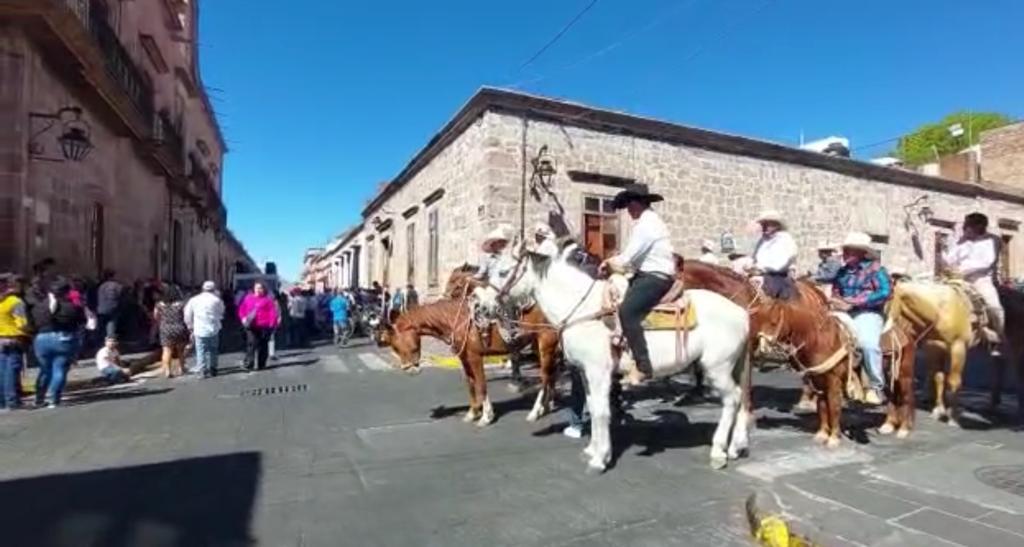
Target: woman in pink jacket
point(259, 316)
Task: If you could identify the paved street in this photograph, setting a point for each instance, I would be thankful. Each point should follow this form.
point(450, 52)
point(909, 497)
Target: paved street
point(334, 448)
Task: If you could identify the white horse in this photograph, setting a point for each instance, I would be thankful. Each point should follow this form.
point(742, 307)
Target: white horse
point(571, 298)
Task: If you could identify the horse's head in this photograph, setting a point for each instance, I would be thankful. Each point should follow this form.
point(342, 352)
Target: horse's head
point(404, 341)
point(461, 282)
point(515, 278)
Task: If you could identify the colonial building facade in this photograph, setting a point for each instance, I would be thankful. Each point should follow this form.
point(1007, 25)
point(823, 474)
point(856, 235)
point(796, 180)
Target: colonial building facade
point(479, 170)
point(110, 153)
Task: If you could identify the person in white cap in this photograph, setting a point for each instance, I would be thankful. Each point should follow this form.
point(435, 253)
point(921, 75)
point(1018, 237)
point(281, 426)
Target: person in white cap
point(544, 238)
point(493, 247)
point(975, 258)
point(774, 256)
point(204, 314)
point(861, 288)
point(707, 253)
point(829, 264)
point(649, 254)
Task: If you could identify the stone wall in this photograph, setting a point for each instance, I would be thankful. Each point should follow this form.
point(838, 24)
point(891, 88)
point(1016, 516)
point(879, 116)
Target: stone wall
point(469, 208)
point(1002, 155)
point(709, 193)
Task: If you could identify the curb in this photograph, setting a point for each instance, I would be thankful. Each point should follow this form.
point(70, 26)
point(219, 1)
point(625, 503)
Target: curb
point(452, 362)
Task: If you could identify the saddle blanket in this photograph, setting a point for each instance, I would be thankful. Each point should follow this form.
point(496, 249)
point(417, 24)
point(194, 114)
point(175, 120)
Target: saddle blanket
point(672, 317)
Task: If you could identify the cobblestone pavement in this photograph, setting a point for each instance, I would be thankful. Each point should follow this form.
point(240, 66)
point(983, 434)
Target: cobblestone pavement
point(333, 447)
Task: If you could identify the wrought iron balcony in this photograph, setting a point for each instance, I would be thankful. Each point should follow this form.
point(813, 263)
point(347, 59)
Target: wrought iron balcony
point(118, 62)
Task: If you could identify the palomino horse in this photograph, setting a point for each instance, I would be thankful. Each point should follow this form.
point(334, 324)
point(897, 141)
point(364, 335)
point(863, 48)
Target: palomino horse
point(575, 302)
point(452, 321)
point(940, 317)
point(804, 324)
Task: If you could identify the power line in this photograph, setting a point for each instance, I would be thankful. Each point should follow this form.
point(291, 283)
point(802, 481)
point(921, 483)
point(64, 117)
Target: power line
point(660, 18)
point(558, 36)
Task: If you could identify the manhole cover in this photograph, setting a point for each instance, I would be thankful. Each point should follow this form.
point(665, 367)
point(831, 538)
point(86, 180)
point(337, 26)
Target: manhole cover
point(275, 390)
point(1008, 478)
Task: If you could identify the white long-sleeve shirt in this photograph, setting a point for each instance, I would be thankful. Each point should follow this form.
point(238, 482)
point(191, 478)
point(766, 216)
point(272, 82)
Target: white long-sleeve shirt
point(649, 248)
point(972, 258)
point(776, 253)
point(203, 314)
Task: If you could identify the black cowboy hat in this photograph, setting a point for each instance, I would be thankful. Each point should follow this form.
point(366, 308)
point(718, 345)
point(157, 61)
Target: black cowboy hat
point(635, 192)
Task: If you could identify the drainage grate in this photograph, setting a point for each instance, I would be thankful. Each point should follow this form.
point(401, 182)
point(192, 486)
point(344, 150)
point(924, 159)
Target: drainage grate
point(1008, 478)
point(275, 390)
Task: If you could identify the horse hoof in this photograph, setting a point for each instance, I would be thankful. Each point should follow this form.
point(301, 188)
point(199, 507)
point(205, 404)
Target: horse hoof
point(938, 413)
point(737, 453)
point(832, 442)
point(902, 433)
point(820, 437)
point(953, 422)
point(470, 417)
point(482, 423)
point(887, 428)
point(594, 469)
point(533, 416)
point(515, 387)
point(719, 463)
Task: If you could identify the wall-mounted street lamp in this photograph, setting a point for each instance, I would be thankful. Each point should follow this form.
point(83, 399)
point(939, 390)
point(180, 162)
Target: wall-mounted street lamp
point(204, 222)
point(75, 137)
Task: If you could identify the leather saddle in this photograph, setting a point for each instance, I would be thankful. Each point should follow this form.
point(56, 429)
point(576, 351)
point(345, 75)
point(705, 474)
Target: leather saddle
point(674, 312)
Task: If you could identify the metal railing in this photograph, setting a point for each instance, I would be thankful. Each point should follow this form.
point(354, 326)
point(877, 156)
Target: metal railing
point(118, 62)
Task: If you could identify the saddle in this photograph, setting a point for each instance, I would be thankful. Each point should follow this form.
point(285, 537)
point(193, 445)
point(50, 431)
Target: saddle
point(673, 312)
point(979, 310)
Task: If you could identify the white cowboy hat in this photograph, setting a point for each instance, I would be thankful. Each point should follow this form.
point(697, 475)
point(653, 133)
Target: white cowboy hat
point(826, 246)
point(771, 216)
point(503, 232)
point(857, 240)
point(542, 229)
point(707, 244)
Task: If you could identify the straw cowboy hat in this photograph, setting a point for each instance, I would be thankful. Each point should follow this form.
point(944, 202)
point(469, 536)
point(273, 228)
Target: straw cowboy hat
point(770, 216)
point(857, 240)
point(826, 246)
point(707, 244)
point(635, 192)
point(503, 232)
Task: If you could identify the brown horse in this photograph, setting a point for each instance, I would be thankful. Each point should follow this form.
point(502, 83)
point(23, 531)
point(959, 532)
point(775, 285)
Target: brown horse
point(821, 354)
point(452, 322)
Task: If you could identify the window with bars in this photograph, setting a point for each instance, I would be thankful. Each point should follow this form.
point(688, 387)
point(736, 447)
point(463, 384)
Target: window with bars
point(600, 226)
point(433, 249)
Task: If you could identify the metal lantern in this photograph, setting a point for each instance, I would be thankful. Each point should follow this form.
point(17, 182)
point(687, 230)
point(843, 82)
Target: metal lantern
point(75, 142)
point(544, 165)
point(204, 222)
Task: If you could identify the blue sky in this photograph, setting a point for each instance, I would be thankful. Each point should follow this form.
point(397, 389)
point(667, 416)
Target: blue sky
point(325, 99)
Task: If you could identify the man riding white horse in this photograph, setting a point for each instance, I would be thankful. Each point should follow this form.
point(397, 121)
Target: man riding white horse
point(861, 288)
point(649, 254)
point(774, 256)
point(493, 248)
point(974, 258)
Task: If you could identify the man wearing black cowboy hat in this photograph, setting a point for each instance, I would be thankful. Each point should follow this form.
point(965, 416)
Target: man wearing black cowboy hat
point(649, 254)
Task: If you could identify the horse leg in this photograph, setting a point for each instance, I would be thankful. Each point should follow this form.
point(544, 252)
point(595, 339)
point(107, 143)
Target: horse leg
point(823, 417)
point(599, 380)
point(905, 385)
point(998, 376)
point(957, 360)
point(894, 408)
point(542, 405)
point(834, 394)
point(720, 376)
point(938, 368)
point(807, 401)
point(473, 412)
point(480, 387)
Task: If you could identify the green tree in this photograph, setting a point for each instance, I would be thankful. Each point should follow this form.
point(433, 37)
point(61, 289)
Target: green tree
point(921, 145)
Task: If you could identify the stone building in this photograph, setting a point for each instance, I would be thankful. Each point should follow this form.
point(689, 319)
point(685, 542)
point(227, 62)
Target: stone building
point(110, 153)
point(1002, 154)
point(474, 175)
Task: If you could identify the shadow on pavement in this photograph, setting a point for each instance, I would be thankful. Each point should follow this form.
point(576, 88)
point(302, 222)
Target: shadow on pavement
point(112, 395)
point(671, 430)
point(191, 502)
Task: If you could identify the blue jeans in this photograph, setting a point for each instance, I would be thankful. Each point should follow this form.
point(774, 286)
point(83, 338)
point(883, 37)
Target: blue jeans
point(10, 375)
point(578, 414)
point(206, 354)
point(114, 375)
point(869, 325)
point(55, 351)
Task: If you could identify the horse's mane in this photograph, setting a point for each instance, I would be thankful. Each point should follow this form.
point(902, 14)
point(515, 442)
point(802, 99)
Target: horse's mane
point(465, 268)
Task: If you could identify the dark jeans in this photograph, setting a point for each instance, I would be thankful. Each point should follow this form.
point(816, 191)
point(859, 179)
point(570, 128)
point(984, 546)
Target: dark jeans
point(578, 415)
point(297, 337)
point(256, 347)
point(645, 291)
point(779, 286)
point(10, 375)
point(55, 352)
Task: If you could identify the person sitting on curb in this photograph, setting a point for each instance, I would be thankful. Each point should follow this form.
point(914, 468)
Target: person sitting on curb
point(108, 361)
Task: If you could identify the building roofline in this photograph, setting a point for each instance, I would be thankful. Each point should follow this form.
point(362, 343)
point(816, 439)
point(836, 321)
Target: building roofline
point(587, 117)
